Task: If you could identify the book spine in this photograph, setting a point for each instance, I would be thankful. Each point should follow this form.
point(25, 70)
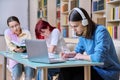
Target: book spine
point(94, 5)
point(64, 8)
point(118, 33)
point(115, 32)
point(110, 30)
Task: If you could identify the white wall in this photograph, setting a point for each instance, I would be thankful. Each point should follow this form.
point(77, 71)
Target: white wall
point(33, 16)
point(17, 8)
point(33, 21)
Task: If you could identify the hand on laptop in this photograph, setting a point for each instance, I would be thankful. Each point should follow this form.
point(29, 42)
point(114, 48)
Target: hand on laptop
point(51, 55)
point(67, 55)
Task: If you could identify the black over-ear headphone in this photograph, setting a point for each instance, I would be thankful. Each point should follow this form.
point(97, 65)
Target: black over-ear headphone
point(84, 20)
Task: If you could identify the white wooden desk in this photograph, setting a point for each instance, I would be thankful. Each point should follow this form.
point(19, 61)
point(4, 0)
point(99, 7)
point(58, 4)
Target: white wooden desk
point(19, 58)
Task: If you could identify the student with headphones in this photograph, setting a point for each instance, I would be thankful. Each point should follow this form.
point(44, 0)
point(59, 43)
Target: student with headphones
point(96, 45)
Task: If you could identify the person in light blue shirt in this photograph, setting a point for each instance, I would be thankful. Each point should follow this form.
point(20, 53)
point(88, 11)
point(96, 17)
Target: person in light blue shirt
point(96, 45)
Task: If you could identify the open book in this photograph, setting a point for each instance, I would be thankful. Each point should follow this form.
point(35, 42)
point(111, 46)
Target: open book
point(20, 45)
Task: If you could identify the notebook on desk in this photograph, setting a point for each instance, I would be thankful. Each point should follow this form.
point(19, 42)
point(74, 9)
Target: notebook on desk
point(38, 52)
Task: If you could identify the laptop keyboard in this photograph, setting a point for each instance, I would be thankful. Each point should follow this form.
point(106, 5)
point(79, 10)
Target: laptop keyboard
point(57, 59)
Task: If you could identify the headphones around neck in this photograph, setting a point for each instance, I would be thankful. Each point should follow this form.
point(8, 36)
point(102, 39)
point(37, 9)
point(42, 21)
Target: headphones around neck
point(84, 20)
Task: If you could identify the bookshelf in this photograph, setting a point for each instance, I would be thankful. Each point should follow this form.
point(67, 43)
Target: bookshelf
point(65, 8)
point(47, 11)
point(108, 14)
point(99, 11)
point(113, 18)
point(42, 9)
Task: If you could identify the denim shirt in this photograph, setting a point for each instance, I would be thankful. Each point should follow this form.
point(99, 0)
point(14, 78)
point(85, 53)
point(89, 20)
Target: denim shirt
point(101, 49)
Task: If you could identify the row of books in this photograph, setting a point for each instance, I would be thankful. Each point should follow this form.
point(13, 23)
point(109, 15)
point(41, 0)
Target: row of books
point(114, 31)
point(42, 13)
point(65, 20)
point(68, 32)
point(58, 14)
point(64, 7)
point(74, 3)
point(58, 3)
point(42, 3)
point(115, 13)
point(98, 5)
point(65, 31)
point(42, 9)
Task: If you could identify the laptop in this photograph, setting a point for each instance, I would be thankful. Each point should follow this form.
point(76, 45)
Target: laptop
point(38, 52)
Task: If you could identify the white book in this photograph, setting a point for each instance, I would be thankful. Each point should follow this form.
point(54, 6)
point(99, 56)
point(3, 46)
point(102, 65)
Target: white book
point(22, 45)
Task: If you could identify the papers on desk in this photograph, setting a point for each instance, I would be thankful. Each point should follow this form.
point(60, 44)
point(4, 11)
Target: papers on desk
point(71, 59)
point(51, 55)
point(24, 56)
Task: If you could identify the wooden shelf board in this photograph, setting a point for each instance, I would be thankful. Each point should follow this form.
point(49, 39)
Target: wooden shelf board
point(113, 21)
point(99, 11)
point(65, 0)
point(115, 1)
point(66, 12)
point(65, 25)
point(71, 40)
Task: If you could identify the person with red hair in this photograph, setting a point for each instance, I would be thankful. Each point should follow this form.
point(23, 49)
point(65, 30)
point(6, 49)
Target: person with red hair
point(54, 40)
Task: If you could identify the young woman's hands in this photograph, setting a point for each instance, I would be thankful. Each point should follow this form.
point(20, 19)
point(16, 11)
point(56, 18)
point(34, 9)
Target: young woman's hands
point(82, 56)
point(67, 55)
point(19, 50)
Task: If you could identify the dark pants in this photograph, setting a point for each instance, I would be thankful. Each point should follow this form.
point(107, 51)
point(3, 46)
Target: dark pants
point(53, 72)
point(77, 73)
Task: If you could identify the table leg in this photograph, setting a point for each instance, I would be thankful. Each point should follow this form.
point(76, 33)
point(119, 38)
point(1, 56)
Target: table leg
point(44, 74)
point(4, 68)
point(87, 73)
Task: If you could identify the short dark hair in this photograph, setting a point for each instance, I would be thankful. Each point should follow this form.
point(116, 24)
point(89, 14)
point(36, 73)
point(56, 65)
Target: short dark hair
point(12, 18)
point(75, 16)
